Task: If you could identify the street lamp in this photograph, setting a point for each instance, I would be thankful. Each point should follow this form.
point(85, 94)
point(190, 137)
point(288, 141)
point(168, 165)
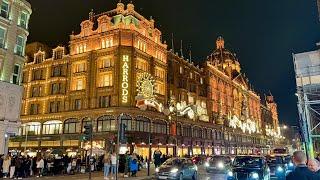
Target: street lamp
point(285, 127)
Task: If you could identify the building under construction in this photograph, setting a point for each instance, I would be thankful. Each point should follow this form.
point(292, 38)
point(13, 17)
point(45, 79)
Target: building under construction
point(307, 70)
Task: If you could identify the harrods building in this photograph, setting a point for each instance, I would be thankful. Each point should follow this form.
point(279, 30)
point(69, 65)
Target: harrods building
point(119, 67)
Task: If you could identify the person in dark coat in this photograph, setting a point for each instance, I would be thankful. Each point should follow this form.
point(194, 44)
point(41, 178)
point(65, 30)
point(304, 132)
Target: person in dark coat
point(301, 172)
point(157, 157)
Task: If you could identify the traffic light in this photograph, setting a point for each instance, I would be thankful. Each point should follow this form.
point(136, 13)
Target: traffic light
point(87, 132)
point(123, 138)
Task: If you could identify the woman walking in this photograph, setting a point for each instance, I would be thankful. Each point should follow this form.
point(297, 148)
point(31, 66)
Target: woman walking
point(106, 165)
point(40, 166)
point(6, 166)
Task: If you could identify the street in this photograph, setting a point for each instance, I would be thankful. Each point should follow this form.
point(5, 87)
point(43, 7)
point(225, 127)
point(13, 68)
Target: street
point(203, 175)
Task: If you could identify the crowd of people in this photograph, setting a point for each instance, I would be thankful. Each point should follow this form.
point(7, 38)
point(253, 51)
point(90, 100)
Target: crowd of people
point(18, 166)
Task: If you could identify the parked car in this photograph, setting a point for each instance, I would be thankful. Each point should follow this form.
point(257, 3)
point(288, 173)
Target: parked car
point(218, 164)
point(249, 168)
point(177, 168)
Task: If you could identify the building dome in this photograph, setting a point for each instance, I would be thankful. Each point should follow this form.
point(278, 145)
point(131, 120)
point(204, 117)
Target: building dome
point(225, 60)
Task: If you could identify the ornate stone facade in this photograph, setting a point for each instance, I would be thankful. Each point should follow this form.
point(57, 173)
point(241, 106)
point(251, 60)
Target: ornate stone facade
point(121, 69)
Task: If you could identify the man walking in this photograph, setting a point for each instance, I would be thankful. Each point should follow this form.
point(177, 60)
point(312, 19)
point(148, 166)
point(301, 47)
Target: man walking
point(301, 172)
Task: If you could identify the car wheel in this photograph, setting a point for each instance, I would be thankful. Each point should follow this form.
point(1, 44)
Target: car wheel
point(195, 175)
point(181, 176)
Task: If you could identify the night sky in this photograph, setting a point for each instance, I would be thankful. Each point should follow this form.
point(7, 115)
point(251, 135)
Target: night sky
point(263, 34)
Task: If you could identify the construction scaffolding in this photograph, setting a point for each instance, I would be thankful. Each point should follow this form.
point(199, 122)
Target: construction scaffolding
point(307, 70)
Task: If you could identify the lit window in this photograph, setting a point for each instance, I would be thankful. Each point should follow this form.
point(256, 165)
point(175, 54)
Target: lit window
point(15, 74)
point(58, 54)
point(4, 9)
point(105, 63)
point(19, 48)
point(103, 43)
point(79, 84)
point(181, 70)
point(52, 127)
point(2, 37)
point(79, 67)
point(71, 126)
point(31, 128)
point(142, 46)
point(23, 20)
point(106, 80)
point(201, 80)
point(191, 75)
point(159, 72)
point(34, 109)
point(159, 88)
point(84, 48)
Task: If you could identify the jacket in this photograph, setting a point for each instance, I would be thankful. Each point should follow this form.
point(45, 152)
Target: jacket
point(6, 165)
point(301, 172)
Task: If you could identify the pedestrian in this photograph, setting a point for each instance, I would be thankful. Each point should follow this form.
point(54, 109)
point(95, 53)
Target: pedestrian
point(40, 166)
point(134, 165)
point(314, 166)
point(301, 172)
point(126, 164)
point(106, 165)
point(12, 167)
point(157, 157)
point(113, 164)
point(78, 164)
point(6, 166)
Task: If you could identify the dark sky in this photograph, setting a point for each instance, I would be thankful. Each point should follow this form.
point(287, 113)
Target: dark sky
point(263, 34)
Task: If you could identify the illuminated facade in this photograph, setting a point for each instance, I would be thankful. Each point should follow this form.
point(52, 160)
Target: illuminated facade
point(123, 67)
point(14, 18)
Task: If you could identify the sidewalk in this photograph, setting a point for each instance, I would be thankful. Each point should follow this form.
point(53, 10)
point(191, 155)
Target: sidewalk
point(141, 175)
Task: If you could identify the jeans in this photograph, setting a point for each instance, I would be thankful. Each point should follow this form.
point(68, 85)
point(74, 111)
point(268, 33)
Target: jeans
point(113, 169)
point(106, 170)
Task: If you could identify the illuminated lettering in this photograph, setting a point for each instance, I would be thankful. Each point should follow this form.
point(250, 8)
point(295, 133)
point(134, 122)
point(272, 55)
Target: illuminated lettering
point(125, 79)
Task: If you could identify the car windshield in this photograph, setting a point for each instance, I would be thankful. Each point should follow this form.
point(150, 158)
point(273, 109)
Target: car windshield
point(218, 159)
point(275, 160)
point(173, 162)
point(247, 161)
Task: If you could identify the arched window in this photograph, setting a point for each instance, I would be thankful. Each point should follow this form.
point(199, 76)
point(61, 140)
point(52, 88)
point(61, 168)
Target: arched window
point(71, 126)
point(127, 120)
point(52, 127)
point(159, 127)
point(106, 123)
point(85, 121)
point(31, 128)
point(142, 124)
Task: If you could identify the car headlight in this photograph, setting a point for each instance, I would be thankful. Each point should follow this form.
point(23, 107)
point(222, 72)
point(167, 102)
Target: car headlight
point(206, 164)
point(255, 175)
point(220, 165)
point(230, 174)
point(290, 164)
point(175, 170)
point(279, 169)
point(157, 169)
